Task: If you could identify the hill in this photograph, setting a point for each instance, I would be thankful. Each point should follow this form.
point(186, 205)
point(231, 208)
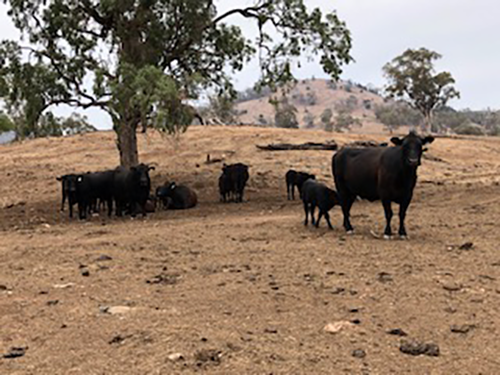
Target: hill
point(246, 288)
point(316, 95)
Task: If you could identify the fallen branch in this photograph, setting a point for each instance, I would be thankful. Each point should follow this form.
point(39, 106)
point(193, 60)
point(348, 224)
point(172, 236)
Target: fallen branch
point(329, 146)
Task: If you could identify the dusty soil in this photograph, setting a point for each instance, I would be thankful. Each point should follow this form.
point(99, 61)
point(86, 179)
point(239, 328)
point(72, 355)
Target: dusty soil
point(247, 289)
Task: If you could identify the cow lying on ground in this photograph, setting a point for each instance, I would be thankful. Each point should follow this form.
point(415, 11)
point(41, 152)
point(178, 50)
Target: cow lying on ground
point(176, 197)
point(388, 174)
point(315, 194)
point(233, 181)
point(296, 179)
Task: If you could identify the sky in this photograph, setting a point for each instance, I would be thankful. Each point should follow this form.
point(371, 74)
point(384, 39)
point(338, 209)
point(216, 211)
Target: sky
point(464, 32)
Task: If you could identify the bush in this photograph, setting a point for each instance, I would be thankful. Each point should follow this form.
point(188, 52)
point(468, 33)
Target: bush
point(470, 129)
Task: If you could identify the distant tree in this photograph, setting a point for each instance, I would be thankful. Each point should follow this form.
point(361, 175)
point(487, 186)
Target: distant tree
point(261, 120)
point(285, 114)
point(469, 128)
point(311, 98)
point(332, 85)
point(367, 104)
point(309, 119)
point(396, 114)
point(223, 108)
point(326, 119)
point(345, 121)
point(140, 60)
point(412, 79)
point(6, 124)
point(76, 124)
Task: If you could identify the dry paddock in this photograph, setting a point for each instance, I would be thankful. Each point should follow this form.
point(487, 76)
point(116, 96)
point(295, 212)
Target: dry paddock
point(247, 289)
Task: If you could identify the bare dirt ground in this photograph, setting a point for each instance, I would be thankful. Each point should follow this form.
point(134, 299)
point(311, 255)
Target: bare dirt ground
point(247, 289)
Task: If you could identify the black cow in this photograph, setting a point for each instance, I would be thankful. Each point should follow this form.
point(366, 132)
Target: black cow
point(315, 194)
point(68, 184)
point(131, 187)
point(225, 188)
point(296, 179)
point(234, 177)
point(379, 173)
point(176, 197)
point(92, 188)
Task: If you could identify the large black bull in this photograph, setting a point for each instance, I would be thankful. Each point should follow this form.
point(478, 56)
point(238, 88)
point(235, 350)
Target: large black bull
point(388, 174)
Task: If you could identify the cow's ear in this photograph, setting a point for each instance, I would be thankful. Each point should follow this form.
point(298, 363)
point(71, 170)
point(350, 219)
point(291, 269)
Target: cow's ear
point(151, 168)
point(397, 141)
point(428, 139)
point(425, 149)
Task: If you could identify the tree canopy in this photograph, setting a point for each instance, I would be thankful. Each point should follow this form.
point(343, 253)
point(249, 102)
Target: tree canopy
point(412, 78)
point(138, 60)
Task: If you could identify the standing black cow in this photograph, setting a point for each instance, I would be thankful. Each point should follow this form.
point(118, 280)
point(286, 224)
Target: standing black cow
point(380, 173)
point(68, 184)
point(177, 197)
point(94, 187)
point(296, 179)
point(131, 188)
point(315, 194)
point(234, 178)
point(225, 188)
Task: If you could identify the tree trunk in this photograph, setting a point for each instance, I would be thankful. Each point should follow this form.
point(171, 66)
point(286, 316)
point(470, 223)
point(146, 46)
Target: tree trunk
point(127, 144)
point(427, 125)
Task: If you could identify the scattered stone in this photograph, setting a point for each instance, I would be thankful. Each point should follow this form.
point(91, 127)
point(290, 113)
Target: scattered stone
point(338, 291)
point(356, 321)
point(208, 356)
point(464, 328)
point(118, 339)
point(15, 352)
point(337, 326)
point(174, 357)
point(452, 287)
point(359, 353)
point(52, 302)
point(115, 310)
point(103, 258)
point(414, 347)
point(3, 287)
point(203, 339)
point(64, 286)
point(397, 332)
point(270, 330)
point(164, 279)
point(85, 272)
point(354, 310)
point(384, 277)
point(466, 246)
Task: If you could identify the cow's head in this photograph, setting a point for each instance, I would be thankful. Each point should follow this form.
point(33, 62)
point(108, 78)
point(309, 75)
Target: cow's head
point(166, 190)
point(69, 182)
point(412, 147)
point(141, 175)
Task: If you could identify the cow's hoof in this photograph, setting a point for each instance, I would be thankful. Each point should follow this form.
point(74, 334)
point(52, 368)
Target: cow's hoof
point(403, 237)
point(387, 237)
point(350, 232)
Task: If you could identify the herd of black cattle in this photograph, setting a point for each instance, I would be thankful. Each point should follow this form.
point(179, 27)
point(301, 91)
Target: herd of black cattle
point(381, 173)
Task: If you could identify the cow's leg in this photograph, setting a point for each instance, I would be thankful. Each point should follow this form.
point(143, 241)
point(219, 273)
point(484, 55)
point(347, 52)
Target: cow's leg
point(388, 217)
point(313, 210)
point(327, 218)
point(402, 214)
point(288, 192)
point(63, 200)
point(320, 215)
point(306, 210)
point(110, 207)
point(346, 203)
